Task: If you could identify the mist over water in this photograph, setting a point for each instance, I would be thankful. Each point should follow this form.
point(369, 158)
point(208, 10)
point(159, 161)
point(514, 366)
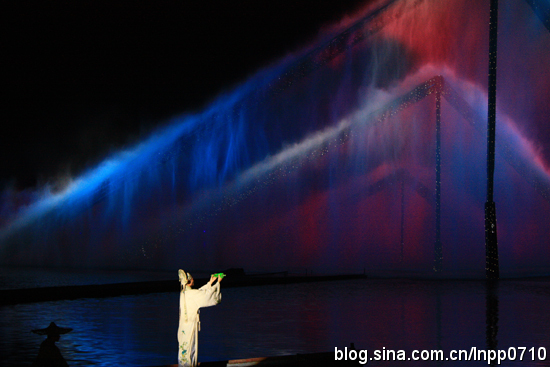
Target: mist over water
point(326, 161)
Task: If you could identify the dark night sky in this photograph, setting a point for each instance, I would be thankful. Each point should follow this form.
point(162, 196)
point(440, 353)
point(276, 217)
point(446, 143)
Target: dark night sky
point(82, 79)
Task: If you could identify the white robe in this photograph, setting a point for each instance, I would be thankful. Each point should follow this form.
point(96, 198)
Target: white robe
point(189, 325)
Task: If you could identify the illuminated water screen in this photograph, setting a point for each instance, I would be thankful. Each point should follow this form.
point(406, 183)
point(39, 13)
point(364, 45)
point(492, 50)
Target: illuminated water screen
point(327, 160)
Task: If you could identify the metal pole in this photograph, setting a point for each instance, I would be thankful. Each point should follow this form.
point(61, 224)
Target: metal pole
point(438, 251)
point(491, 246)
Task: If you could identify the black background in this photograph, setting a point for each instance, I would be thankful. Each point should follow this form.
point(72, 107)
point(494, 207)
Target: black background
point(81, 79)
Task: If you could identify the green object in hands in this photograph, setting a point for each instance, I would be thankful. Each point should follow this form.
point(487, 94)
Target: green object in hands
point(221, 275)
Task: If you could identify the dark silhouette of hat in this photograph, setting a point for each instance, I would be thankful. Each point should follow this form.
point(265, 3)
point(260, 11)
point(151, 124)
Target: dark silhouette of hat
point(53, 329)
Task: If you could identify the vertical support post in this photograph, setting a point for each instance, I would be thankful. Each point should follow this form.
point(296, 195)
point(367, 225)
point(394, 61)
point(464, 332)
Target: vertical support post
point(438, 251)
point(402, 217)
point(491, 245)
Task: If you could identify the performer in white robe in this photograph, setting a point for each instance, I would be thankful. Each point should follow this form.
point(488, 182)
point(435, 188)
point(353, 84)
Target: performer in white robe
point(189, 324)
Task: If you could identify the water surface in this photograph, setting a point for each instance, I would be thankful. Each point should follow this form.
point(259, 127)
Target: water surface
point(286, 319)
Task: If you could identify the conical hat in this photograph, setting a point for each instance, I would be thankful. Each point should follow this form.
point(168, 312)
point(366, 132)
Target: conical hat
point(53, 329)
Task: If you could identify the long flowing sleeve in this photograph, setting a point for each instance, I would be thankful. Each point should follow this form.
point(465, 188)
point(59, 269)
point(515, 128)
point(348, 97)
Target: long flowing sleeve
point(211, 295)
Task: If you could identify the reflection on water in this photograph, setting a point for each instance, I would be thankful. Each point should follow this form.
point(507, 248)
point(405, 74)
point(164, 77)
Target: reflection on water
point(491, 318)
point(285, 319)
